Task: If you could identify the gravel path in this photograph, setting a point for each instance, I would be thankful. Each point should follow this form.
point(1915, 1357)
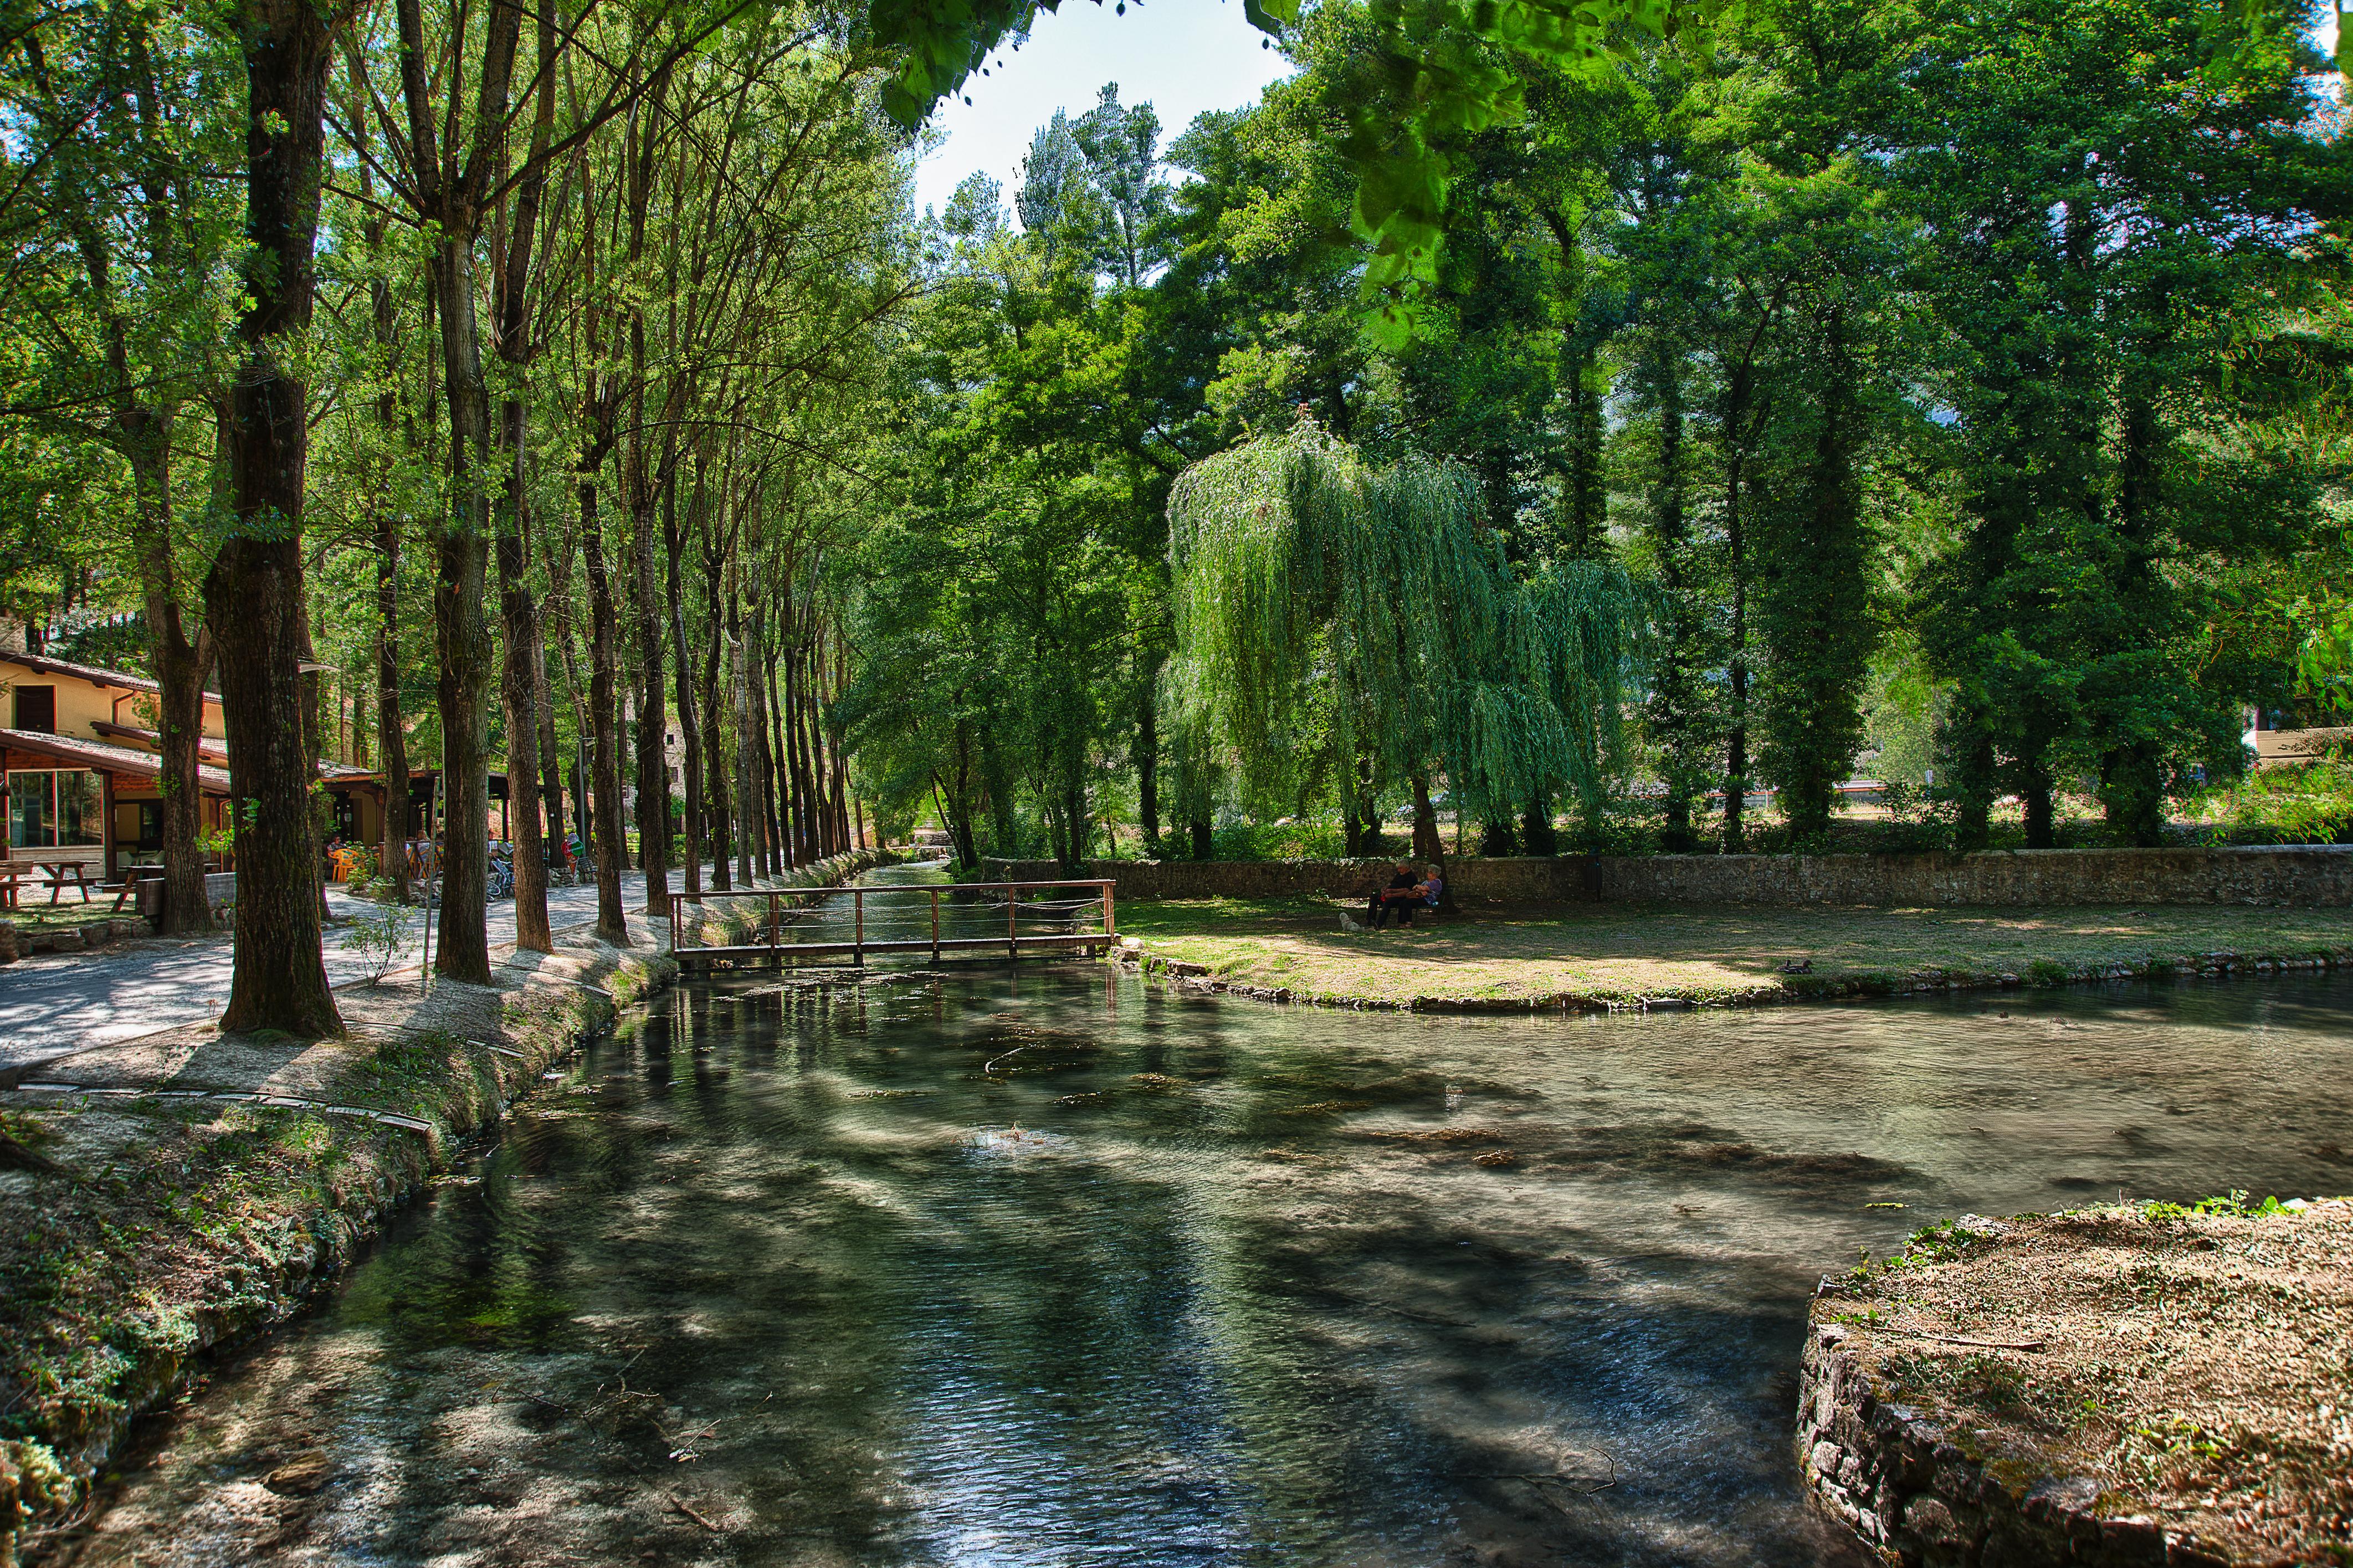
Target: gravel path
point(59, 1001)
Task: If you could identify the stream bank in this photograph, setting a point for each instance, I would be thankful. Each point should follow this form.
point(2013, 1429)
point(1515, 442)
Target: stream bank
point(206, 1186)
point(1674, 958)
point(2141, 1384)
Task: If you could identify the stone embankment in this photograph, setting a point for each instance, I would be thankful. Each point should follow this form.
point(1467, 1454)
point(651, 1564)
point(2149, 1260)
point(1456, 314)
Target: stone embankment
point(22, 940)
point(188, 1190)
point(2142, 1385)
point(2311, 876)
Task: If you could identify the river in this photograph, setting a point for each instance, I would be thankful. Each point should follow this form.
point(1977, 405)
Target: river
point(1052, 1267)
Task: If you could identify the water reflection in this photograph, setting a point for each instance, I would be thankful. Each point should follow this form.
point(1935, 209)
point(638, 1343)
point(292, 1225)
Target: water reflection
point(1053, 1268)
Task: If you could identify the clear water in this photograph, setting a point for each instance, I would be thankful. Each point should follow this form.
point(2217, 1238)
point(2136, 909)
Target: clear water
point(1050, 1268)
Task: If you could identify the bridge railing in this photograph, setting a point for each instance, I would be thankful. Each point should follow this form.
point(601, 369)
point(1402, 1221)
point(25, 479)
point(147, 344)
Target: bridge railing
point(799, 923)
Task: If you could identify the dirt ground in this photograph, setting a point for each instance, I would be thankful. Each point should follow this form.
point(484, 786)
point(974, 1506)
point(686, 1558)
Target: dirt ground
point(2197, 1365)
point(1619, 956)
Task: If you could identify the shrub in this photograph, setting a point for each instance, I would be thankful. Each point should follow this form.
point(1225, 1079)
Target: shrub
point(2308, 803)
point(380, 936)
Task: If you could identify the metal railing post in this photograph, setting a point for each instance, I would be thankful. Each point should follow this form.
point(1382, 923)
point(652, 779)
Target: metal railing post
point(858, 935)
point(1012, 916)
point(773, 956)
point(1111, 926)
point(935, 925)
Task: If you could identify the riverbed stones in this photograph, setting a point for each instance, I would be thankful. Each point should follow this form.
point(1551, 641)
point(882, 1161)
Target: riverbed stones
point(2131, 1385)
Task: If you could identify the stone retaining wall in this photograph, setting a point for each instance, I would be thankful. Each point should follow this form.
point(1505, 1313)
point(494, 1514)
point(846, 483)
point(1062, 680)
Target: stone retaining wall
point(22, 941)
point(2316, 875)
point(1908, 1489)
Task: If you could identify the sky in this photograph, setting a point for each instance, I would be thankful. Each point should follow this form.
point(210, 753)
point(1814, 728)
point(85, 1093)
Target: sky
point(1182, 57)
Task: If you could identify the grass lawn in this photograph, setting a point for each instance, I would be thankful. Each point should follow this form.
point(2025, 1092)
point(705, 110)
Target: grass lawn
point(1622, 953)
point(35, 913)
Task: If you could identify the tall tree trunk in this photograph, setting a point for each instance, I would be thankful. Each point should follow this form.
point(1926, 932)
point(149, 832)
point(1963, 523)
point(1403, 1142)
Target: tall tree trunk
point(1586, 523)
point(391, 734)
point(837, 747)
point(181, 669)
point(141, 420)
point(2035, 791)
point(1973, 774)
point(722, 833)
point(1536, 835)
point(1147, 765)
point(254, 591)
point(1426, 842)
point(1736, 742)
point(521, 694)
point(1676, 720)
point(181, 666)
point(747, 787)
point(774, 685)
point(523, 675)
point(653, 706)
point(688, 724)
point(551, 754)
point(604, 651)
point(796, 748)
point(461, 632)
point(2132, 774)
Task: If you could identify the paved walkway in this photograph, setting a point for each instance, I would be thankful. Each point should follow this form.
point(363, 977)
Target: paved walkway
point(59, 1001)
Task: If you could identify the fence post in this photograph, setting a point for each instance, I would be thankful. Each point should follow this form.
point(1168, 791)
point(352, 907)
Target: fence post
point(1012, 918)
point(1111, 927)
point(935, 925)
point(773, 956)
point(857, 936)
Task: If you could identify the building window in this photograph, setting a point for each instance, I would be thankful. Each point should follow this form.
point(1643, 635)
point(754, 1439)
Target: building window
point(53, 810)
point(37, 709)
point(150, 824)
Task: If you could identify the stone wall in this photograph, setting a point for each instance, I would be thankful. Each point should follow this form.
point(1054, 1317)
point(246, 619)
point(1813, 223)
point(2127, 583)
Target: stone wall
point(1511, 880)
point(2316, 876)
point(1920, 1499)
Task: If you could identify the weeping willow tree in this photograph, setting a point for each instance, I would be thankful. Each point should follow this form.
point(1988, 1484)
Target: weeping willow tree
point(1334, 619)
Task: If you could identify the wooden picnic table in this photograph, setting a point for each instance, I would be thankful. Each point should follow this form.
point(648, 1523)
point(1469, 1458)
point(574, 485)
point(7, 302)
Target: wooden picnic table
point(59, 875)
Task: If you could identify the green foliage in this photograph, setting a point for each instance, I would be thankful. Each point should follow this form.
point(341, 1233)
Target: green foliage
point(1329, 612)
point(1436, 73)
point(380, 937)
point(2309, 802)
point(2109, 469)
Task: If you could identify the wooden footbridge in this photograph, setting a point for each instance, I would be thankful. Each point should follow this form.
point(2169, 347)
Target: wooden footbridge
point(796, 926)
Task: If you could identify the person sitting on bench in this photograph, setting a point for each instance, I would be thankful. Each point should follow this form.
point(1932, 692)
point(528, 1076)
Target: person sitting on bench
point(1431, 890)
point(1401, 894)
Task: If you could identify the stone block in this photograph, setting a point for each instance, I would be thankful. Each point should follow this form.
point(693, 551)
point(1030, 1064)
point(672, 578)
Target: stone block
point(1929, 1524)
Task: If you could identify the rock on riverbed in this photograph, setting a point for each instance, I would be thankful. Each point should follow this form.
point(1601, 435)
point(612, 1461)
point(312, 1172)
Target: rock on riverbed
point(2135, 1384)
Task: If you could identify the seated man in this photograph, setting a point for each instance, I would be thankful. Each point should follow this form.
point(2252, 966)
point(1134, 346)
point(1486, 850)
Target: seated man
point(1401, 895)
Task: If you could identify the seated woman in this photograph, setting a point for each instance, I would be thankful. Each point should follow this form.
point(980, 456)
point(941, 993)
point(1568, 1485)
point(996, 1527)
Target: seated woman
point(1402, 893)
point(1432, 888)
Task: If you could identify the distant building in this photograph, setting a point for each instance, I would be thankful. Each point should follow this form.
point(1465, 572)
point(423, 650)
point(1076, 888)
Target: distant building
point(78, 767)
point(82, 781)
